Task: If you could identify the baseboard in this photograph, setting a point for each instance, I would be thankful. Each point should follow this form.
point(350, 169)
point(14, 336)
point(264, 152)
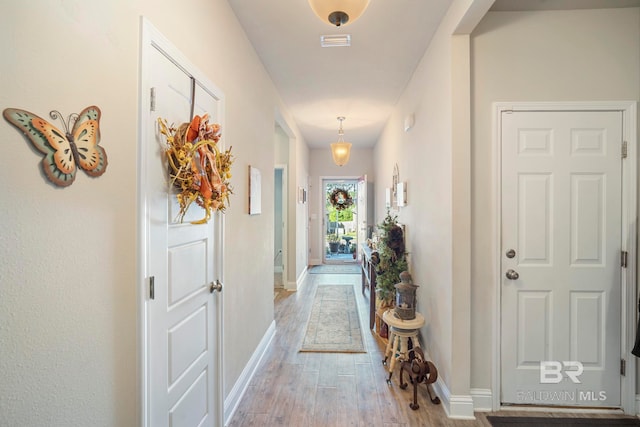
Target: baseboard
point(301, 279)
point(458, 407)
point(482, 399)
point(232, 401)
point(638, 405)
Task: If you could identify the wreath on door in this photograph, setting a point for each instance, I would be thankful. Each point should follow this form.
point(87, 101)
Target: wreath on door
point(200, 171)
point(340, 199)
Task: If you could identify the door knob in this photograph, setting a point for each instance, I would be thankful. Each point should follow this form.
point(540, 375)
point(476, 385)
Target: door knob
point(215, 286)
point(512, 274)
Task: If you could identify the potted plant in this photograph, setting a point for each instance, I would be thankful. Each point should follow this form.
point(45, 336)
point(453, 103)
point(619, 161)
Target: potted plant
point(334, 243)
point(393, 259)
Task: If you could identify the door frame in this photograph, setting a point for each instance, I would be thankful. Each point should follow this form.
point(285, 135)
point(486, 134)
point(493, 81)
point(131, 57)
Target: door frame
point(629, 231)
point(285, 220)
point(152, 38)
point(322, 200)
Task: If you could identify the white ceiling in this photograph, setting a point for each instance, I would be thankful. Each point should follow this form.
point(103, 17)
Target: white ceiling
point(361, 82)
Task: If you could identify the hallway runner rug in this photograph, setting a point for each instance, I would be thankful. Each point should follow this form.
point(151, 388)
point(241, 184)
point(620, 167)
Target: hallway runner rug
point(336, 269)
point(560, 422)
point(334, 323)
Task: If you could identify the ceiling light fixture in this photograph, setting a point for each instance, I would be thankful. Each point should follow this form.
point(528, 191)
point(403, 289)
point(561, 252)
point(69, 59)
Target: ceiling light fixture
point(340, 150)
point(338, 12)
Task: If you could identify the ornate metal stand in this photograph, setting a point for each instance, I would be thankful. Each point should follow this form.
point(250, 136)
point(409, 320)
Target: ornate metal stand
point(419, 371)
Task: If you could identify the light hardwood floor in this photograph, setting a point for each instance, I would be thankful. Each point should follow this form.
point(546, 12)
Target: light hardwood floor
point(329, 389)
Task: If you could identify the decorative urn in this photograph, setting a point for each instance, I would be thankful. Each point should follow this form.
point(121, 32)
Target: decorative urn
point(406, 297)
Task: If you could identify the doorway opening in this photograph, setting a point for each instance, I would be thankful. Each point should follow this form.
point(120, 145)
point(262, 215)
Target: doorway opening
point(279, 225)
point(340, 220)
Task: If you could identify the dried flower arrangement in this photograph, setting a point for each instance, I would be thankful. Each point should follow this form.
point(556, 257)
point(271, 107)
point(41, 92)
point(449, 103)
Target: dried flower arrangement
point(199, 170)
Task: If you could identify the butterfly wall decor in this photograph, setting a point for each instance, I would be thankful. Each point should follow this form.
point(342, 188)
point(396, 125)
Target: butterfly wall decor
point(64, 151)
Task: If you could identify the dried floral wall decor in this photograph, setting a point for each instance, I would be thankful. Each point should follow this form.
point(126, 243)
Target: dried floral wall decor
point(64, 151)
point(199, 170)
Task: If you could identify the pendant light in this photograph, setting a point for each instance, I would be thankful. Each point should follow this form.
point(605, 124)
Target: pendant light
point(338, 12)
point(340, 150)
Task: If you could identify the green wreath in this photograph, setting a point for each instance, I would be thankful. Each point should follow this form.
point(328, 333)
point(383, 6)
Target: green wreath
point(340, 199)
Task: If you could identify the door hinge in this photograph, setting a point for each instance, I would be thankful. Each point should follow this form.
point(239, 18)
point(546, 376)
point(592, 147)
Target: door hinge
point(152, 100)
point(152, 287)
point(623, 259)
point(624, 149)
point(623, 367)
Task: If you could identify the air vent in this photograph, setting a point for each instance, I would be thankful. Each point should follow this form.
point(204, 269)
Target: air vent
point(335, 41)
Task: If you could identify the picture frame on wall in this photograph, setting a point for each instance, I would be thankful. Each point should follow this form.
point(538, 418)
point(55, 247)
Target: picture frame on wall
point(255, 191)
point(401, 193)
point(302, 195)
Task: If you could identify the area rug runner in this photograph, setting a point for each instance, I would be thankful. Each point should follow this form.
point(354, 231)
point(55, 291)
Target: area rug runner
point(560, 422)
point(334, 324)
point(336, 269)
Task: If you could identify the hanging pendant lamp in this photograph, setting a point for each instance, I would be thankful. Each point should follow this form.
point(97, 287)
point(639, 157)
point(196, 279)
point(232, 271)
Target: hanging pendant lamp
point(338, 12)
point(340, 150)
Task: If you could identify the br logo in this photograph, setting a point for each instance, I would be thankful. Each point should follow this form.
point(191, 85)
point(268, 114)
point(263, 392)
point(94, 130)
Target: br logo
point(552, 372)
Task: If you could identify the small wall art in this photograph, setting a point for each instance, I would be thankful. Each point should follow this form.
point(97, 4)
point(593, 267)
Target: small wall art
point(255, 191)
point(302, 195)
point(61, 149)
point(401, 191)
point(394, 186)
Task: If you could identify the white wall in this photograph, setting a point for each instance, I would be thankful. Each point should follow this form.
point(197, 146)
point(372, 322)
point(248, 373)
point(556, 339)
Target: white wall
point(424, 160)
point(578, 55)
point(68, 311)
point(431, 158)
point(299, 240)
point(446, 157)
point(321, 165)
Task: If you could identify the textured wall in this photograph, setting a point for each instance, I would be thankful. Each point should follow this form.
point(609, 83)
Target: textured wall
point(68, 291)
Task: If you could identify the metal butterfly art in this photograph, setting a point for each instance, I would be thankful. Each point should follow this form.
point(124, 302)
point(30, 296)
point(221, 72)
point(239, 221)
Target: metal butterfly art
point(64, 151)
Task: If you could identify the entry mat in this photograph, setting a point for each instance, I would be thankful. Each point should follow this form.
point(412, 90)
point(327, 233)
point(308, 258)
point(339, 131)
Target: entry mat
point(497, 421)
point(336, 269)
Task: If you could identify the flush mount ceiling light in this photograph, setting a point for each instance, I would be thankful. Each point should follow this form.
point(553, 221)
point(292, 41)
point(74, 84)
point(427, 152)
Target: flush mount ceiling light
point(340, 150)
point(338, 12)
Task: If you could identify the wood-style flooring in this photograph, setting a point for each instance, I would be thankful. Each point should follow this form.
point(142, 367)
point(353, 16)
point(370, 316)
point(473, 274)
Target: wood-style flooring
point(329, 389)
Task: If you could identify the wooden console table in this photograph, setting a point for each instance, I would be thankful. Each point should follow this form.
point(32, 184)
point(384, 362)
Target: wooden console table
point(369, 281)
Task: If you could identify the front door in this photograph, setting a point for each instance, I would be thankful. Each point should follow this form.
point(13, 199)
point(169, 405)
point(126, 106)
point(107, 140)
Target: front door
point(181, 320)
point(340, 220)
point(561, 258)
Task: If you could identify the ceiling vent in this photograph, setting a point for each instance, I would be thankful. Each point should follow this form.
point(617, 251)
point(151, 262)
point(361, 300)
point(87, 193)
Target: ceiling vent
point(341, 40)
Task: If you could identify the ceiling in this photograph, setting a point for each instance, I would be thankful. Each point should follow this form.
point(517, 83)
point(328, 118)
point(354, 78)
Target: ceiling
point(361, 82)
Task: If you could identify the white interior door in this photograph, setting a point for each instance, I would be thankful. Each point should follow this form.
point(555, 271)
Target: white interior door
point(182, 321)
point(361, 209)
point(561, 248)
